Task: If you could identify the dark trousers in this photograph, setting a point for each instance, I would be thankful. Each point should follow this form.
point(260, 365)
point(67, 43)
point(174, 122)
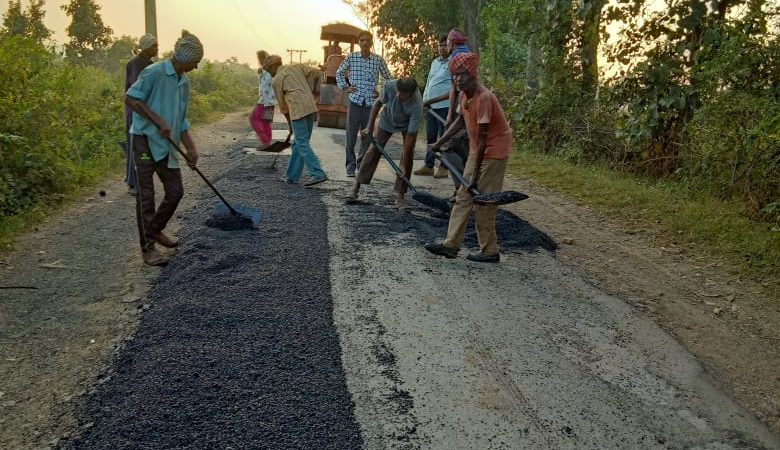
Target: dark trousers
point(433, 130)
point(357, 119)
point(152, 220)
point(129, 169)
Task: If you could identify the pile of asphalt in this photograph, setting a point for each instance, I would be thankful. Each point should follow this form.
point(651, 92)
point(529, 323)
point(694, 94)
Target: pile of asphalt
point(375, 222)
point(238, 348)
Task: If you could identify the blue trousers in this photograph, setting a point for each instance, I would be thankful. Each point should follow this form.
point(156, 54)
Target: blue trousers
point(302, 153)
point(433, 130)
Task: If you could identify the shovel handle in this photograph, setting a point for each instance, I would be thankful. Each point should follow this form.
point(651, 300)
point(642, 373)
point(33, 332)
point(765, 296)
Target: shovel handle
point(392, 163)
point(195, 168)
point(454, 171)
point(438, 117)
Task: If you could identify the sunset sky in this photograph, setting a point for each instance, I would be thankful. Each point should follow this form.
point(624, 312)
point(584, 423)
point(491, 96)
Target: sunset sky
point(226, 27)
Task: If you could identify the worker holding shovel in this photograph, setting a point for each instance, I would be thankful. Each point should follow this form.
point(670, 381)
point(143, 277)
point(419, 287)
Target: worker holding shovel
point(159, 100)
point(296, 87)
point(402, 111)
point(490, 143)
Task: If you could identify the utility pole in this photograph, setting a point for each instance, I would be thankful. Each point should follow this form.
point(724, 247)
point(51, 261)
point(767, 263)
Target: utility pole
point(299, 52)
point(151, 17)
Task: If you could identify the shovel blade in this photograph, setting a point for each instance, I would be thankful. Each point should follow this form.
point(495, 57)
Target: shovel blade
point(276, 147)
point(499, 198)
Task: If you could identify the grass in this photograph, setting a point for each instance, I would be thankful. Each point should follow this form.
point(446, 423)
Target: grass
point(719, 227)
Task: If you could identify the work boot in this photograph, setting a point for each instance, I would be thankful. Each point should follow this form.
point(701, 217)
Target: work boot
point(484, 257)
point(441, 172)
point(162, 239)
point(154, 258)
point(442, 250)
point(424, 171)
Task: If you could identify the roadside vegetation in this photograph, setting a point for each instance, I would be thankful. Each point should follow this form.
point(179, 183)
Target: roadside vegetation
point(63, 113)
point(667, 112)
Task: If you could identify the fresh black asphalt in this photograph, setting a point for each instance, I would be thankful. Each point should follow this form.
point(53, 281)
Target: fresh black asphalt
point(238, 348)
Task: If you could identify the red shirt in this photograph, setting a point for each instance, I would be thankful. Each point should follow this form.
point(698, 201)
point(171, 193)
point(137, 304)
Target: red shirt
point(483, 108)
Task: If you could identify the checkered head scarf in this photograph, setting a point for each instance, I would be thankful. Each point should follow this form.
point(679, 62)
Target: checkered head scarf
point(188, 48)
point(457, 37)
point(468, 61)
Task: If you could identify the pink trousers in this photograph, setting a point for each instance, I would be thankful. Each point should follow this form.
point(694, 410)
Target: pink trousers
point(261, 127)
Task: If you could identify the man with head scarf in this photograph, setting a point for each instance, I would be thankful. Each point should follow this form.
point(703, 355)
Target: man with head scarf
point(295, 87)
point(456, 42)
point(160, 101)
point(147, 46)
point(490, 143)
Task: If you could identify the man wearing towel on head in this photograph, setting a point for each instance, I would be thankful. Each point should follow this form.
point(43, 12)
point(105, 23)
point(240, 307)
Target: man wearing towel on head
point(159, 100)
point(490, 141)
point(148, 47)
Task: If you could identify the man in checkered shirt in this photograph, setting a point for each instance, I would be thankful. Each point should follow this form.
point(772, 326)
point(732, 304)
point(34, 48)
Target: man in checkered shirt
point(364, 69)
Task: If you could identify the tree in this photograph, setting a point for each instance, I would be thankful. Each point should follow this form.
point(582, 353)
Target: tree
point(120, 51)
point(408, 29)
point(14, 20)
point(590, 14)
point(471, 23)
point(35, 29)
point(89, 37)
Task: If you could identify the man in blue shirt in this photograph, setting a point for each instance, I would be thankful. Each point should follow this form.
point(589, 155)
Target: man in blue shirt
point(436, 101)
point(364, 69)
point(401, 109)
point(159, 100)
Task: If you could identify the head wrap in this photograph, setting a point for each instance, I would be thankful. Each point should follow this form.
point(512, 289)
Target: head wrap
point(468, 61)
point(146, 41)
point(457, 37)
point(271, 60)
point(188, 48)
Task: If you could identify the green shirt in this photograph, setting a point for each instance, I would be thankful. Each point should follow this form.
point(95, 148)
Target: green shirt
point(167, 94)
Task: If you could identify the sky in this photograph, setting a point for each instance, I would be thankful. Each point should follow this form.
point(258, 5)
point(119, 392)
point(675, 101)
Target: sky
point(225, 27)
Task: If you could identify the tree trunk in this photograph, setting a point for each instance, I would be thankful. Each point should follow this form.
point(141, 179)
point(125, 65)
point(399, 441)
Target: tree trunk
point(471, 25)
point(532, 67)
point(589, 55)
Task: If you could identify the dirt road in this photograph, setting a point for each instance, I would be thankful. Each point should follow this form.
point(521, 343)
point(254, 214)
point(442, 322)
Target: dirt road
point(330, 327)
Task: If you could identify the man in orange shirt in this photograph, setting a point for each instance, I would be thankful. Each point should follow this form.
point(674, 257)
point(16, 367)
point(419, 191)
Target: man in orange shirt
point(490, 141)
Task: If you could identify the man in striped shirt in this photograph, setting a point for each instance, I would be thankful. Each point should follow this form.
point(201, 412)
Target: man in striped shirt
point(364, 69)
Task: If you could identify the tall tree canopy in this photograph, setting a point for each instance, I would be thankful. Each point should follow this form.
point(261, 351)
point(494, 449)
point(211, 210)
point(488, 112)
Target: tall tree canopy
point(89, 37)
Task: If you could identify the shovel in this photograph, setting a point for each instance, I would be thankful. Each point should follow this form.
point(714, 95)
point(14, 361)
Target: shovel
point(277, 147)
point(422, 197)
point(247, 216)
point(497, 198)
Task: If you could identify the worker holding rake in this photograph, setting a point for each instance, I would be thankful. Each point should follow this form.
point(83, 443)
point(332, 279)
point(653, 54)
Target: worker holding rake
point(159, 100)
point(490, 139)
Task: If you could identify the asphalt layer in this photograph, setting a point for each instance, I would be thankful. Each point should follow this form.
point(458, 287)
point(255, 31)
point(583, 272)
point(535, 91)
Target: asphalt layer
point(238, 348)
point(375, 222)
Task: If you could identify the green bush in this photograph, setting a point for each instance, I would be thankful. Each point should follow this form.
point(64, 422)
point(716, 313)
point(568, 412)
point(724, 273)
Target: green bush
point(62, 121)
point(219, 87)
point(733, 150)
point(61, 124)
